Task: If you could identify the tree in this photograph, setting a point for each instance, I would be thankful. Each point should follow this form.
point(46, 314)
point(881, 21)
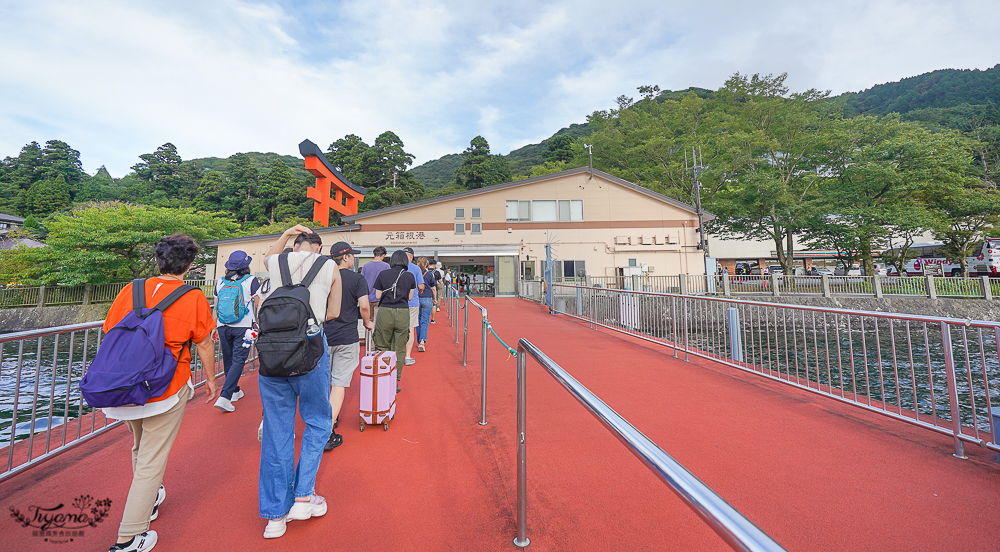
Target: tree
point(967, 214)
point(44, 197)
point(385, 161)
point(479, 168)
point(170, 180)
point(273, 187)
point(559, 149)
point(348, 156)
point(244, 177)
point(35, 164)
point(112, 241)
point(775, 139)
point(877, 170)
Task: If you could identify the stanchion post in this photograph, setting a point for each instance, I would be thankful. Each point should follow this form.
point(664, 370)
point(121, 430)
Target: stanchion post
point(522, 454)
point(949, 366)
point(486, 331)
point(465, 334)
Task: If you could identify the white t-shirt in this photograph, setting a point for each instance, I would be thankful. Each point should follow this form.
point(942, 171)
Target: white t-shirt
point(299, 263)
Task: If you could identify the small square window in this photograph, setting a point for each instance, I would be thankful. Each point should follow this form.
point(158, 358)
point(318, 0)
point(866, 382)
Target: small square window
point(460, 212)
point(631, 262)
point(459, 227)
point(477, 228)
point(477, 213)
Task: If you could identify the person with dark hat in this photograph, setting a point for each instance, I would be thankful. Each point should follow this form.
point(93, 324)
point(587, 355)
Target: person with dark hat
point(342, 331)
point(236, 315)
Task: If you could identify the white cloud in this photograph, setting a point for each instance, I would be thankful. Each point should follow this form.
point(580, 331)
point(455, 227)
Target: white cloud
point(118, 78)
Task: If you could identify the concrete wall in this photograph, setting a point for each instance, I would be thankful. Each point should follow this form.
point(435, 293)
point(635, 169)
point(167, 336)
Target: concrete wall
point(47, 317)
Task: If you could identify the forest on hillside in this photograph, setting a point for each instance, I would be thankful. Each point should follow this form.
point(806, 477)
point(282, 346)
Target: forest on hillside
point(848, 173)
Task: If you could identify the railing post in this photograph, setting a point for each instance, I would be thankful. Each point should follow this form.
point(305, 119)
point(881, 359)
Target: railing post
point(86, 294)
point(683, 283)
point(486, 331)
point(673, 322)
point(987, 289)
point(684, 305)
point(636, 282)
point(949, 366)
point(726, 288)
point(877, 284)
point(465, 333)
point(774, 286)
point(931, 290)
point(579, 300)
point(825, 283)
point(41, 296)
point(522, 454)
point(457, 308)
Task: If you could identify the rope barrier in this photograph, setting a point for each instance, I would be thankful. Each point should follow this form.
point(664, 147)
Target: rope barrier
point(505, 346)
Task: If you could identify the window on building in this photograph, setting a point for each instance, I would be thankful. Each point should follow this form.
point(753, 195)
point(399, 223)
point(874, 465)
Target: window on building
point(460, 212)
point(572, 269)
point(518, 211)
point(631, 262)
point(477, 213)
point(543, 210)
point(459, 227)
point(570, 210)
point(477, 228)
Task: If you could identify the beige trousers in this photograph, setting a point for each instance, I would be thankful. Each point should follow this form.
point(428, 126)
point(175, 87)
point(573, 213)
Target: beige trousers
point(153, 438)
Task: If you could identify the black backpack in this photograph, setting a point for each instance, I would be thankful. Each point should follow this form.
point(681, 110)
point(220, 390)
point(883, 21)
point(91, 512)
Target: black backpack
point(284, 347)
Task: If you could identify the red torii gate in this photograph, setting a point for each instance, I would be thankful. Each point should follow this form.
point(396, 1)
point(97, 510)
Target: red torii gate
point(332, 190)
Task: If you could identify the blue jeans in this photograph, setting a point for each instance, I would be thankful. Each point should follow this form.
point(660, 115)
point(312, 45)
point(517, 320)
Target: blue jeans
point(426, 304)
point(281, 481)
point(234, 357)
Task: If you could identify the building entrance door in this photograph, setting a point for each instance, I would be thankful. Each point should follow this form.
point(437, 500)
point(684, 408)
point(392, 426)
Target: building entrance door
point(506, 279)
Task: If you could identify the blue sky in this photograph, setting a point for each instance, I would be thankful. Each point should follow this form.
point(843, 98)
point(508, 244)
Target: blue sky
point(116, 79)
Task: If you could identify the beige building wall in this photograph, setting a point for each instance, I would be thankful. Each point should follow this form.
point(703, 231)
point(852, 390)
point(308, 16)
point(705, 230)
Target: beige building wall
point(618, 224)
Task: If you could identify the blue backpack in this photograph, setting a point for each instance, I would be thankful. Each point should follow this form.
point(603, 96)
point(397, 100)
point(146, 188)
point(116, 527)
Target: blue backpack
point(231, 307)
point(133, 363)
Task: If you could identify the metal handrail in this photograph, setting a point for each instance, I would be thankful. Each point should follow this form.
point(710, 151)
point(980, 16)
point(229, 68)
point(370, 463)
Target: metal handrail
point(61, 396)
point(734, 528)
point(696, 326)
point(465, 341)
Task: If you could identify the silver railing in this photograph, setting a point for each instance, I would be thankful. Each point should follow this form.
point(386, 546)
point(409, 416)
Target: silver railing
point(40, 397)
point(735, 529)
point(729, 285)
point(458, 305)
point(933, 372)
point(88, 294)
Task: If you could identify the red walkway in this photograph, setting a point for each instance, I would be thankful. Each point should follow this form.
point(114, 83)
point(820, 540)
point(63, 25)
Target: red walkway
point(814, 474)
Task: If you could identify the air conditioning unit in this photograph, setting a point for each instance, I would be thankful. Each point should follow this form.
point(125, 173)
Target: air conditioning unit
point(623, 240)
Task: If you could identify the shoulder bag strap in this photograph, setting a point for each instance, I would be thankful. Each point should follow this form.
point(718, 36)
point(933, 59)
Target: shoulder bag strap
point(311, 275)
point(138, 296)
point(286, 275)
point(174, 296)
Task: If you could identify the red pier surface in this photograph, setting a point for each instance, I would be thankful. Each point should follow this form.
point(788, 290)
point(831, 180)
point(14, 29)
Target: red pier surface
point(813, 473)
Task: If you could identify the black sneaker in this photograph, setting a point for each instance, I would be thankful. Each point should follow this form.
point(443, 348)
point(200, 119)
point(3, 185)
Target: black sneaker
point(139, 543)
point(398, 389)
point(335, 441)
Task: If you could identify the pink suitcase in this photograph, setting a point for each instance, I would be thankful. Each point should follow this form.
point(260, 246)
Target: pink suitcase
point(378, 388)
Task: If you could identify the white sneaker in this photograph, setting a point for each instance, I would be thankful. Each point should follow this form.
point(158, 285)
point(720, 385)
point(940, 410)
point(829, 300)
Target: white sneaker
point(305, 510)
point(275, 528)
point(408, 361)
point(260, 431)
point(161, 494)
point(140, 543)
point(224, 405)
point(420, 347)
point(237, 396)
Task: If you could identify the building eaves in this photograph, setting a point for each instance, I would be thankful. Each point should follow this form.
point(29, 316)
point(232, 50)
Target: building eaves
point(308, 149)
point(257, 237)
point(11, 218)
point(570, 172)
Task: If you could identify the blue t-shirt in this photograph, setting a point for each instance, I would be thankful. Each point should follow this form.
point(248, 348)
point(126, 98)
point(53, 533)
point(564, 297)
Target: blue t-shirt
point(370, 271)
point(418, 277)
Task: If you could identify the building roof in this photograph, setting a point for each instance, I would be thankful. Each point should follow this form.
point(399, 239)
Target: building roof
point(10, 218)
point(7, 242)
point(320, 230)
point(308, 149)
point(440, 199)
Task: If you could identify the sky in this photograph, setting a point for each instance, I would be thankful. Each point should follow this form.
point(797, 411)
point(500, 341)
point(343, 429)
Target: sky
point(118, 78)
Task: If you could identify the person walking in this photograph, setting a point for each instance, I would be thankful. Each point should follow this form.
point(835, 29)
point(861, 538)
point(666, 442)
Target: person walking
point(154, 425)
point(426, 298)
point(342, 332)
point(414, 305)
point(370, 271)
point(394, 288)
point(286, 490)
point(236, 306)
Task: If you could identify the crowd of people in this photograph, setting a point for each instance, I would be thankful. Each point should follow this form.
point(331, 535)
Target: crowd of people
point(392, 303)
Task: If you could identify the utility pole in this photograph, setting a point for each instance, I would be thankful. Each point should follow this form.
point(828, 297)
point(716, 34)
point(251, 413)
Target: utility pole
point(697, 165)
point(590, 151)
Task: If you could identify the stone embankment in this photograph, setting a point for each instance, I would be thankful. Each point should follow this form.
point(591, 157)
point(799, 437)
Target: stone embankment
point(34, 318)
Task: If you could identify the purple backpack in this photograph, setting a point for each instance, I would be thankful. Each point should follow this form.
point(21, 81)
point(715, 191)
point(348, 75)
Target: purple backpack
point(133, 363)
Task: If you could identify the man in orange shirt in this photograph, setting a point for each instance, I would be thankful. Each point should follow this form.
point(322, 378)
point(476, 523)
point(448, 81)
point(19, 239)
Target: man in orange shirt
point(154, 425)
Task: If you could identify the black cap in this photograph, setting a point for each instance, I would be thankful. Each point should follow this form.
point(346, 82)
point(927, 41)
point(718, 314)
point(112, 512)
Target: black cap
point(408, 250)
point(343, 248)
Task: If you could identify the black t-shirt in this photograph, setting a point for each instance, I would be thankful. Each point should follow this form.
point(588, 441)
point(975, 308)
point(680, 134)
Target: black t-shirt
point(394, 299)
point(343, 330)
point(430, 282)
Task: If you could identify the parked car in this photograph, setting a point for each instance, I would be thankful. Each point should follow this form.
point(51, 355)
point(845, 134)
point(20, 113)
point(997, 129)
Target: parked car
point(776, 269)
point(821, 270)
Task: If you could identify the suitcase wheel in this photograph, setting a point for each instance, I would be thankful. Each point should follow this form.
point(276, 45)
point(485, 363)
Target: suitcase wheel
point(362, 426)
point(385, 426)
